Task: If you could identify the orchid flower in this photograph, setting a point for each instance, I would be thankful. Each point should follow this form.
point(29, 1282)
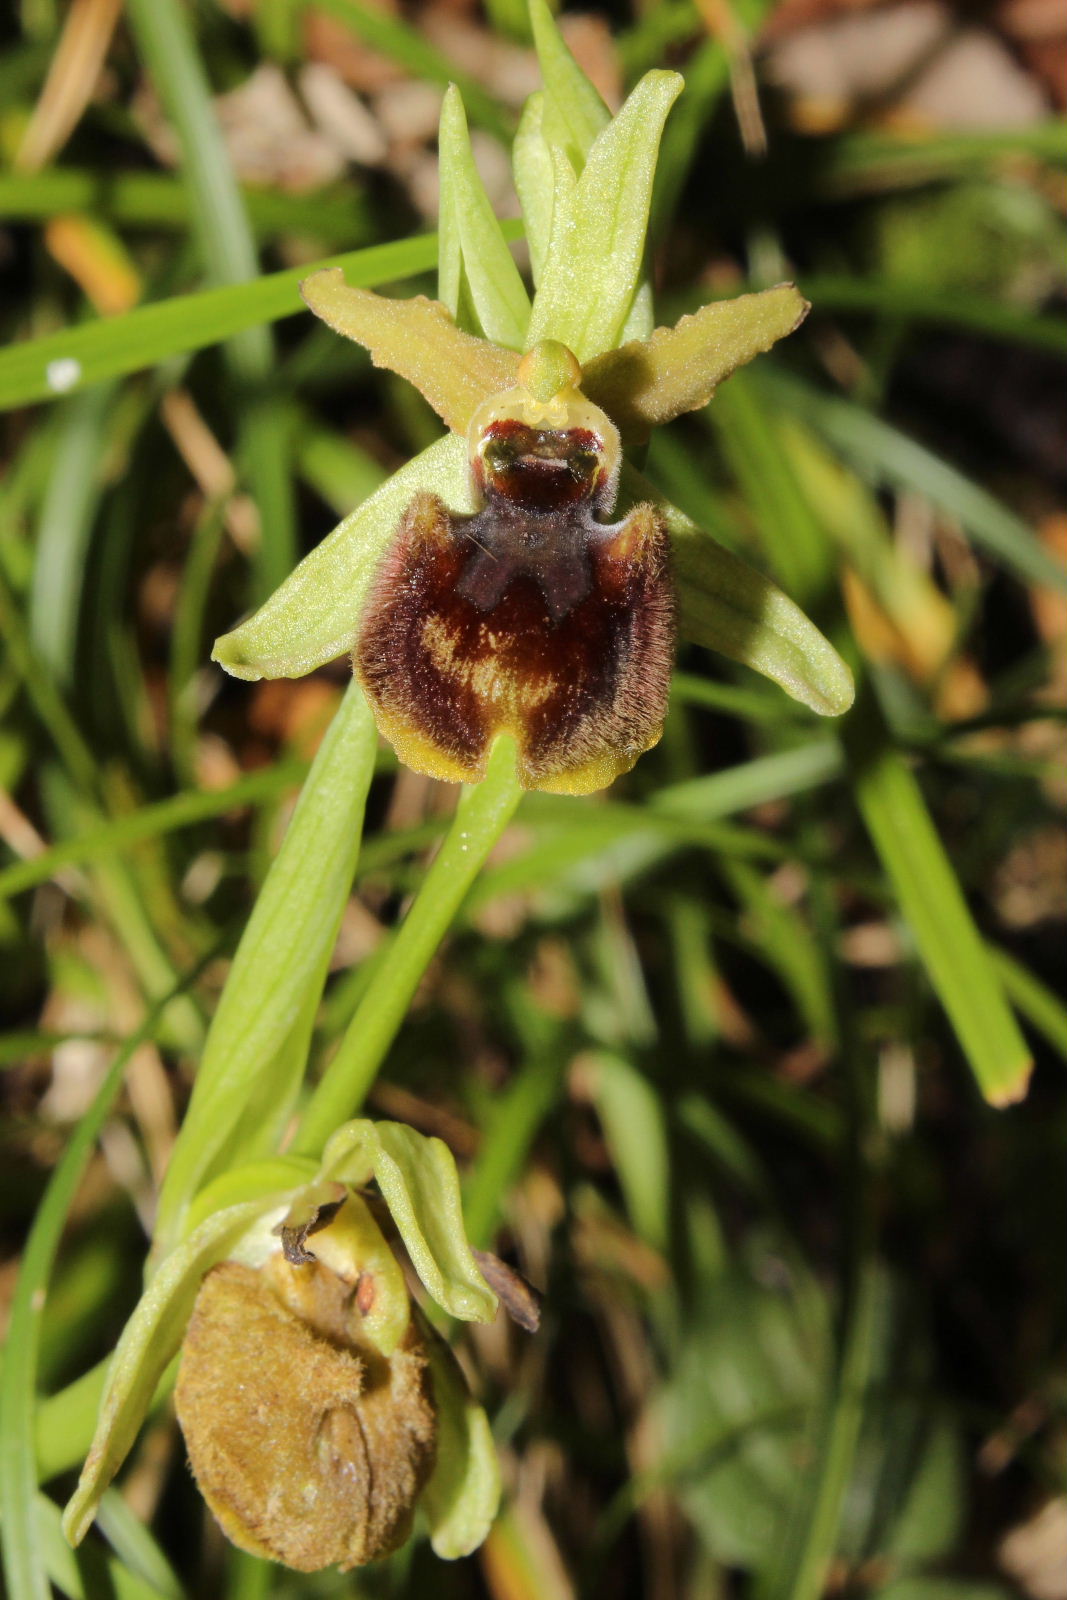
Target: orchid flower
point(494, 585)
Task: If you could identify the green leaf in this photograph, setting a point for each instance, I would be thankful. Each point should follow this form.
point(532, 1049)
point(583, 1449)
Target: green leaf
point(728, 606)
point(256, 1047)
point(483, 261)
point(645, 383)
point(314, 616)
point(931, 898)
point(153, 1336)
point(598, 233)
point(574, 112)
point(462, 1496)
point(418, 339)
point(418, 1179)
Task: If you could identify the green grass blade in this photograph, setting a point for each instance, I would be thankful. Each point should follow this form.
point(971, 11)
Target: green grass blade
point(862, 163)
point(404, 44)
point(150, 821)
point(884, 297)
point(60, 363)
point(893, 808)
point(879, 450)
point(228, 248)
point(64, 1422)
point(1043, 1009)
point(804, 1576)
point(64, 530)
point(753, 783)
point(23, 1558)
point(92, 1574)
point(631, 1113)
point(135, 1546)
point(511, 1128)
point(338, 213)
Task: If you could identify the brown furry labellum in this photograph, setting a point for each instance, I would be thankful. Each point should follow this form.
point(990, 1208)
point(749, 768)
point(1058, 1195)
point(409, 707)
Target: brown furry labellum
point(309, 1445)
point(533, 616)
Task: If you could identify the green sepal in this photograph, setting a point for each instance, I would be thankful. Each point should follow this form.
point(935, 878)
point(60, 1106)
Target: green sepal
point(595, 254)
point(419, 340)
point(651, 381)
point(418, 1180)
point(726, 605)
point(153, 1335)
point(461, 1499)
point(313, 617)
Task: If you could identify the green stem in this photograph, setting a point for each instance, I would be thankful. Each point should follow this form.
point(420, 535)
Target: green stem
point(484, 812)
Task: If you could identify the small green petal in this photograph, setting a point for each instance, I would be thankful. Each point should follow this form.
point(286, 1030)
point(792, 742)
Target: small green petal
point(726, 605)
point(574, 112)
point(418, 340)
point(418, 1180)
point(152, 1337)
point(598, 233)
point(678, 369)
point(313, 617)
point(531, 160)
point(497, 292)
point(462, 1496)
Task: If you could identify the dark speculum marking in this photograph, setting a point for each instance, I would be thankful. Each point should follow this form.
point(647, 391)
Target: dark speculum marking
point(538, 470)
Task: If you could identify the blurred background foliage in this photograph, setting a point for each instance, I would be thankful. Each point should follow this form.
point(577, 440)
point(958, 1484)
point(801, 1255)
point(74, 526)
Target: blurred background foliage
point(804, 1318)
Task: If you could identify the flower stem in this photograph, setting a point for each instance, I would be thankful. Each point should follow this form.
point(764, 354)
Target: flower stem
point(484, 812)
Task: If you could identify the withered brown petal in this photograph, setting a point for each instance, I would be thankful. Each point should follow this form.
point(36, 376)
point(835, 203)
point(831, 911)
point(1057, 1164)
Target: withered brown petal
point(520, 1299)
point(310, 1449)
point(418, 339)
point(579, 680)
point(651, 381)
